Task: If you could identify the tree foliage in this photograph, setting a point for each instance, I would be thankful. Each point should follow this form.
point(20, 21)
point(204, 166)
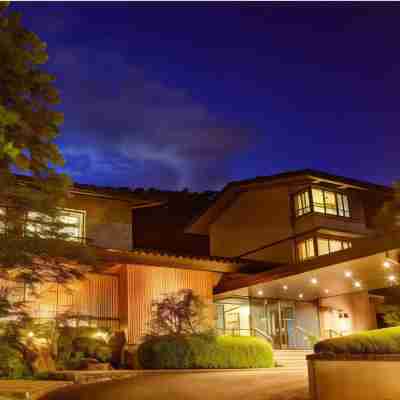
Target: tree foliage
point(29, 125)
point(177, 314)
point(30, 181)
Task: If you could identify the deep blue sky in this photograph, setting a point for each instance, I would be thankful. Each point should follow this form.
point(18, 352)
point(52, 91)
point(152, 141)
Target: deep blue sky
point(195, 95)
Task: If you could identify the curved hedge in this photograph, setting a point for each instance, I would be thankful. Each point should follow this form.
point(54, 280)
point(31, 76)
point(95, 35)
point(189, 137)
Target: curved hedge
point(379, 341)
point(198, 352)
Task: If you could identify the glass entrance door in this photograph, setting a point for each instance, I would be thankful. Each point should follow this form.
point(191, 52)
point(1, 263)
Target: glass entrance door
point(280, 318)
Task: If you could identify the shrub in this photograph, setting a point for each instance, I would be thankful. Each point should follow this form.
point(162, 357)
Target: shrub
point(103, 353)
point(197, 351)
point(12, 364)
point(379, 341)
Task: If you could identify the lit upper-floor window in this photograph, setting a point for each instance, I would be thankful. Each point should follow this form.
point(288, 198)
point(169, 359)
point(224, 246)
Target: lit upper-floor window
point(2, 220)
point(305, 249)
point(321, 201)
point(73, 219)
point(318, 246)
point(327, 246)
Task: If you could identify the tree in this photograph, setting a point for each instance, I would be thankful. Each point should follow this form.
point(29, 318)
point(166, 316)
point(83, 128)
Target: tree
point(31, 188)
point(177, 314)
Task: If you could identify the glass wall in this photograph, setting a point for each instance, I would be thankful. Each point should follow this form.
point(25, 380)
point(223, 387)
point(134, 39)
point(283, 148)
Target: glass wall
point(286, 324)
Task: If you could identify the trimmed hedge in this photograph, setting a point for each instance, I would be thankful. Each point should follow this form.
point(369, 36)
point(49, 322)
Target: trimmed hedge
point(379, 341)
point(197, 351)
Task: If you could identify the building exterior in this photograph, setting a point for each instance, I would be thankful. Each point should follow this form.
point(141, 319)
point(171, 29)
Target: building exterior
point(285, 257)
point(327, 258)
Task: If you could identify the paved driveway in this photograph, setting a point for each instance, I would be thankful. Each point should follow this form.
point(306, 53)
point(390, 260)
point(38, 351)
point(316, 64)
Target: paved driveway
point(276, 384)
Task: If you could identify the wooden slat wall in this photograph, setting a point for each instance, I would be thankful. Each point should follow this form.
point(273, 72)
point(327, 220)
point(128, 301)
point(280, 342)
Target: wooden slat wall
point(96, 296)
point(146, 283)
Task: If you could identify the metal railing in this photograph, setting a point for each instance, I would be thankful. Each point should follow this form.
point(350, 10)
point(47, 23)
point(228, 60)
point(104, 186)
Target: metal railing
point(245, 332)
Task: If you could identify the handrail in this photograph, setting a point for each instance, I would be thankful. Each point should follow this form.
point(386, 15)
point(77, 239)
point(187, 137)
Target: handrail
point(264, 334)
point(249, 332)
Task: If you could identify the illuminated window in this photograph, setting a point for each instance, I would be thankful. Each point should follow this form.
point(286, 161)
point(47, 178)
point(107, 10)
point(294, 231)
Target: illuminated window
point(305, 249)
point(327, 246)
point(328, 202)
point(302, 203)
point(2, 219)
point(42, 225)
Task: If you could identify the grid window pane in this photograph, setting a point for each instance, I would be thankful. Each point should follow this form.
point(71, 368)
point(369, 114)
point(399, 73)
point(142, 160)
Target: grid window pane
point(323, 246)
point(330, 203)
point(2, 219)
point(335, 245)
point(302, 203)
point(36, 224)
point(75, 222)
point(318, 200)
point(305, 249)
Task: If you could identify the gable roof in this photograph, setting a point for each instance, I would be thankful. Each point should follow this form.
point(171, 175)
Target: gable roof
point(230, 192)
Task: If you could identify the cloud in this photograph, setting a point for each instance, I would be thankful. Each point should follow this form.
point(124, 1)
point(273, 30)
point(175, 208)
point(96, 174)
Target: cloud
point(121, 127)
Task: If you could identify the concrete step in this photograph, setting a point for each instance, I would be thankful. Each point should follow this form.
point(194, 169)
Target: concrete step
point(294, 359)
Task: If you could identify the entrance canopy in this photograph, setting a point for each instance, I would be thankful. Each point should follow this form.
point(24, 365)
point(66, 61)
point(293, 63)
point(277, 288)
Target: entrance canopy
point(372, 263)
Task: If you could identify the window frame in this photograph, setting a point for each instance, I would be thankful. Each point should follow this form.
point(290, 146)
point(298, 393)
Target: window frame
point(82, 237)
point(340, 211)
point(315, 238)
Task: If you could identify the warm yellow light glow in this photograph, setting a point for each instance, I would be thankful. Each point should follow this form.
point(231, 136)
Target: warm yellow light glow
point(285, 287)
point(314, 281)
point(387, 264)
point(348, 274)
point(391, 278)
point(326, 291)
point(101, 335)
point(357, 284)
point(260, 292)
point(301, 295)
point(31, 334)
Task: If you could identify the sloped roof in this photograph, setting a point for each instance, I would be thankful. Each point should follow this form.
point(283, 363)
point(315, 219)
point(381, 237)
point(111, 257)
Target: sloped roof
point(201, 222)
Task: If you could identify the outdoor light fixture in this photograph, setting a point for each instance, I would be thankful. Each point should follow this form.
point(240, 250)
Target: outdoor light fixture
point(285, 287)
point(357, 284)
point(348, 274)
point(387, 264)
point(260, 292)
point(314, 281)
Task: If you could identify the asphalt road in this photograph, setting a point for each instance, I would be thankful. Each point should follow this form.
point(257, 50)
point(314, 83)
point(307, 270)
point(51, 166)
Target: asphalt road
point(276, 384)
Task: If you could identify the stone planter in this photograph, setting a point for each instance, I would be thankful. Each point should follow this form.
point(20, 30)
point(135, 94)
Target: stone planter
point(354, 376)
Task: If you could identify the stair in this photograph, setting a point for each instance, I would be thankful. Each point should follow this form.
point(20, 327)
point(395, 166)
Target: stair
point(293, 359)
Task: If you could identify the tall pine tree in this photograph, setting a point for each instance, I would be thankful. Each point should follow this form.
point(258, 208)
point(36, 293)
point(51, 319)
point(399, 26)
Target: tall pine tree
point(30, 186)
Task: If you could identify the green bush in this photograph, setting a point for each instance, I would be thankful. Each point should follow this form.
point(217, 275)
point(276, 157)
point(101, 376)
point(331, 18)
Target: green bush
point(379, 341)
point(196, 351)
point(103, 353)
point(12, 364)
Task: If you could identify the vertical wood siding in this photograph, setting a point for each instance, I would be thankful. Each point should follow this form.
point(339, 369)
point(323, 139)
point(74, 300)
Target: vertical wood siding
point(95, 297)
point(146, 283)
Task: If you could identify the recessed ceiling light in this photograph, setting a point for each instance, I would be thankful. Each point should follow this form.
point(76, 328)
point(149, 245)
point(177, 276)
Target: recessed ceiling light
point(391, 278)
point(326, 290)
point(301, 295)
point(387, 264)
point(357, 284)
point(314, 281)
point(260, 292)
point(348, 274)
point(285, 287)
